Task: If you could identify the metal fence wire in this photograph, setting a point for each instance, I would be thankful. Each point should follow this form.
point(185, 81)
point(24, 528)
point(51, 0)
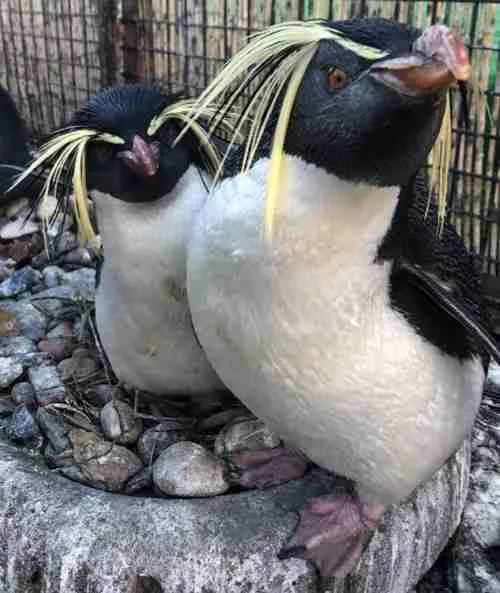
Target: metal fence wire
point(55, 53)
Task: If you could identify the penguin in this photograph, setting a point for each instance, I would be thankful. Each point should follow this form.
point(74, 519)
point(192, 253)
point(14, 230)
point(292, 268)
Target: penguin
point(356, 329)
point(147, 191)
point(14, 151)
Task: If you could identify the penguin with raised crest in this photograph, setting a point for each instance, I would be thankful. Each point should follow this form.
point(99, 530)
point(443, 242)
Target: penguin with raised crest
point(327, 291)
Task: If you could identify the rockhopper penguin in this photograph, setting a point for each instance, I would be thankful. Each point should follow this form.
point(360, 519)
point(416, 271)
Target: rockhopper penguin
point(147, 192)
point(357, 332)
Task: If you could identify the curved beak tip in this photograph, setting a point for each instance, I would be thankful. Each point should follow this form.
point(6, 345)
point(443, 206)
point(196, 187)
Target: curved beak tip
point(143, 159)
point(440, 60)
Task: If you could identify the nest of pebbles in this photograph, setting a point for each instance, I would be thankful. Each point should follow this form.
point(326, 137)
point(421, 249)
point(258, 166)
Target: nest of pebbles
point(60, 400)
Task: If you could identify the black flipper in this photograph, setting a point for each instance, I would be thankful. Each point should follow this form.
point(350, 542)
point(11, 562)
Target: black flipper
point(443, 295)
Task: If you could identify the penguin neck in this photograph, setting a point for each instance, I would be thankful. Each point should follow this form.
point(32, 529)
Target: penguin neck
point(318, 207)
point(133, 231)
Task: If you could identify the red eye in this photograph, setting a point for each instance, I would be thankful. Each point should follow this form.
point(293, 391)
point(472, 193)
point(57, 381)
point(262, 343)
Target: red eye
point(337, 79)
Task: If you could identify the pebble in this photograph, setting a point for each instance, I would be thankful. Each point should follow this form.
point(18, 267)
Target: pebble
point(219, 419)
point(80, 367)
point(245, 435)
point(141, 481)
point(58, 348)
point(52, 276)
point(102, 464)
point(10, 370)
point(47, 384)
point(18, 228)
point(16, 346)
point(32, 322)
point(82, 281)
point(80, 256)
point(22, 427)
point(9, 325)
point(21, 251)
point(119, 422)
point(156, 439)
point(100, 395)
point(6, 406)
point(54, 428)
point(23, 393)
point(20, 281)
point(188, 469)
point(60, 302)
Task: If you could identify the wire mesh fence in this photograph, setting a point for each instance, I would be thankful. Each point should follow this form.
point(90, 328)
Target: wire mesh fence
point(56, 53)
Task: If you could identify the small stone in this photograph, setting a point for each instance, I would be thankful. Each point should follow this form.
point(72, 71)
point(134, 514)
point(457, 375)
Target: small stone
point(5, 269)
point(18, 228)
point(141, 481)
point(52, 276)
point(188, 469)
point(119, 422)
point(23, 250)
point(220, 419)
point(100, 395)
point(16, 346)
point(20, 281)
point(102, 464)
point(10, 370)
point(79, 256)
point(47, 384)
point(23, 393)
point(245, 435)
point(67, 242)
point(31, 321)
point(61, 330)
point(60, 302)
point(55, 429)
point(9, 325)
point(6, 406)
point(58, 348)
point(77, 368)
point(156, 439)
point(83, 281)
point(23, 426)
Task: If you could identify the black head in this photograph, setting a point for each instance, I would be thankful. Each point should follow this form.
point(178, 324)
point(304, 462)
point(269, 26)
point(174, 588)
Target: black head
point(374, 121)
point(143, 168)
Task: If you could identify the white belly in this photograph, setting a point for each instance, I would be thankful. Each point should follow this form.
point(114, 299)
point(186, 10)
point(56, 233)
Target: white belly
point(303, 332)
point(142, 313)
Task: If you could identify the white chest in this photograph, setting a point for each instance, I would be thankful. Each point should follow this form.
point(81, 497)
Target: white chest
point(141, 303)
point(303, 331)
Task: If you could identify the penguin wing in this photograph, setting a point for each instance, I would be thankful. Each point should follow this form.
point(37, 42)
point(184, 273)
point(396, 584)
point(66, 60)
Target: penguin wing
point(434, 280)
point(443, 295)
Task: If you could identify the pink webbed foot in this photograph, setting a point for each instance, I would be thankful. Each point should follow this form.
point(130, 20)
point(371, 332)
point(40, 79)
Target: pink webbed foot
point(333, 532)
point(267, 467)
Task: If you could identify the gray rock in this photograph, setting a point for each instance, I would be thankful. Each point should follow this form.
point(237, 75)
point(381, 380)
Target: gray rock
point(6, 406)
point(58, 348)
point(245, 435)
point(52, 276)
point(54, 428)
point(119, 422)
point(156, 439)
point(220, 419)
point(61, 330)
point(20, 281)
point(16, 346)
point(79, 256)
point(188, 469)
point(47, 384)
point(82, 539)
point(60, 302)
point(18, 228)
point(102, 464)
point(67, 242)
point(82, 281)
point(32, 322)
point(100, 395)
point(23, 427)
point(80, 367)
point(23, 393)
point(10, 370)
point(141, 481)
